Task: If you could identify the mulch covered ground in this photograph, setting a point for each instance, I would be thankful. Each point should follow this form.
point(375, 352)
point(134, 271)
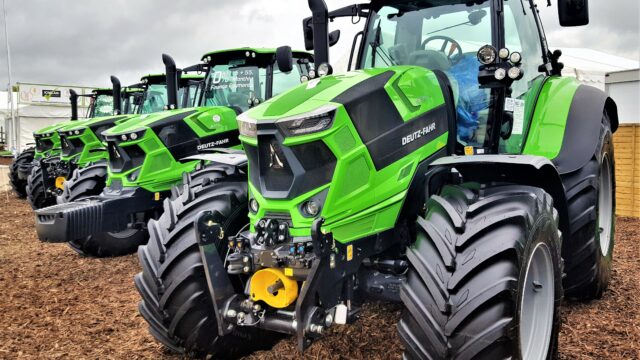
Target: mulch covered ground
point(55, 304)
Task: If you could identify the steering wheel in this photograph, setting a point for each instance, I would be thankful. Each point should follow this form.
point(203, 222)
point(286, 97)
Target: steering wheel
point(455, 51)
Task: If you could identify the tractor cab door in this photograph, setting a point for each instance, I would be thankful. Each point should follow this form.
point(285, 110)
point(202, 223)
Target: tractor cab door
point(521, 35)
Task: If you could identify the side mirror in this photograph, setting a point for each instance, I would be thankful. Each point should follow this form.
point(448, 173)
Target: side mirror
point(334, 37)
point(284, 58)
point(137, 99)
point(573, 12)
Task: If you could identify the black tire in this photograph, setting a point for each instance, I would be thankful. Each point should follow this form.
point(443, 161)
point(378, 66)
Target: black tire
point(87, 181)
point(23, 160)
point(36, 190)
point(465, 286)
point(110, 244)
point(587, 253)
point(175, 296)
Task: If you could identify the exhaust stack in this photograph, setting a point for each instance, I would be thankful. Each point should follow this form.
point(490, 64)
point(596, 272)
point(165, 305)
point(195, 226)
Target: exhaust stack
point(117, 95)
point(73, 97)
point(320, 24)
point(172, 81)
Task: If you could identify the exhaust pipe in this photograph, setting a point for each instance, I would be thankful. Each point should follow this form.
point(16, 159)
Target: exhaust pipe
point(73, 97)
point(320, 24)
point(172, 81)
point(117, 95)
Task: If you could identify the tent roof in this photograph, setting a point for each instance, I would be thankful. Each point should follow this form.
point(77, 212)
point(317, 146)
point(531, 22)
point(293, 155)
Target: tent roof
point(588, 60)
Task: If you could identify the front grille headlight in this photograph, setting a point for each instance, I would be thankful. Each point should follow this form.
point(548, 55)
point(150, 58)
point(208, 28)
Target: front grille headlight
point(247, 126)
point(308, 123)
point(74, 132)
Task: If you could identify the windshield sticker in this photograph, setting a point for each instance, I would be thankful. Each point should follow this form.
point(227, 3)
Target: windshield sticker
point(518, 117)
point(240, 79)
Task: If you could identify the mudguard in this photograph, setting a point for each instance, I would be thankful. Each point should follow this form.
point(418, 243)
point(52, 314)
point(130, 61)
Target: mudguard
point(582, 130)
point(529, 170)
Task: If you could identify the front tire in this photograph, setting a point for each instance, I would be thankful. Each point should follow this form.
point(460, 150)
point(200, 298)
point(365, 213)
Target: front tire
point(36, 189)
point(588, 248)
point(175, 297)
point(19, 184)
point(87, 181)
point(485, 276)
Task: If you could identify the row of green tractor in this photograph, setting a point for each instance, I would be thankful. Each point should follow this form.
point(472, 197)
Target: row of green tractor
point(454, 171)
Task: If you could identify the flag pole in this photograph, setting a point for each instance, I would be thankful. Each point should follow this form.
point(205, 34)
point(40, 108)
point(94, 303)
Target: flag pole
point(14, 128)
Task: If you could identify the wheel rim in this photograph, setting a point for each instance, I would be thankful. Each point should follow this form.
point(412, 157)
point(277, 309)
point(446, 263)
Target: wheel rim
point(605, 205)
point(537, 306)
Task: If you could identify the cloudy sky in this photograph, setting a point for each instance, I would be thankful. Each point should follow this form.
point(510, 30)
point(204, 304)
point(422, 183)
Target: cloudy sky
point(83, 42)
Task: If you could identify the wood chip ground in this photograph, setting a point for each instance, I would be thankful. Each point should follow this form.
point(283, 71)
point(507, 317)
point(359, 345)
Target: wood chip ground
point(55, 304)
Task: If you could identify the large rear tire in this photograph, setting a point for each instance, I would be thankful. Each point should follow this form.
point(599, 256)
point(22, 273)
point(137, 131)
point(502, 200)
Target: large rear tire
point(485, 276)
point(36, 189)
point(87, 181)
point(23, 160)
point(588, 247)
point(175, 296)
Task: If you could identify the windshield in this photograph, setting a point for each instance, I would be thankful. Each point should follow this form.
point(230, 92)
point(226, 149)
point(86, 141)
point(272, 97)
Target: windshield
point(102, 105)
point(439, 37)
point(232, 85)
point(130, 106)
point(155, 99)
point(190, 93)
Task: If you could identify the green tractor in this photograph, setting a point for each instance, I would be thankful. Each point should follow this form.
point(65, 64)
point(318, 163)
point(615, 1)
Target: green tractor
point(47, 140)
point(85, 147)
point(148, 156)
point(451, 172)
point(53, 165)
point(83, 151)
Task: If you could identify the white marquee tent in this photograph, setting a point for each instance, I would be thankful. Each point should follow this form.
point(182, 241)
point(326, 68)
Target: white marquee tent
point(35, 107)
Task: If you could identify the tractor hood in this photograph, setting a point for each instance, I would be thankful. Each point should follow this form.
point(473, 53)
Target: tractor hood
point(54, 128)
point(348, 143)
point(199, 118)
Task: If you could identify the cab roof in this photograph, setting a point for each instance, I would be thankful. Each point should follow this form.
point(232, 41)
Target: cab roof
point(243, 51)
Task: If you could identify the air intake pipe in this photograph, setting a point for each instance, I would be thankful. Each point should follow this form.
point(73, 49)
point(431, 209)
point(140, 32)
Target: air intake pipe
point(117, 95)
point(172, 81)
point(73, 98)
point(320, 24)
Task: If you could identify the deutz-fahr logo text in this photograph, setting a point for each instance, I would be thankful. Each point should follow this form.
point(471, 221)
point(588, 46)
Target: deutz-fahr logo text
point(213, 144)
point(418, 134)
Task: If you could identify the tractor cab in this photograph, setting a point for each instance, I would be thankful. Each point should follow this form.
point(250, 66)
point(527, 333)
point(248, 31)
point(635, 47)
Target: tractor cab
point(100, 103)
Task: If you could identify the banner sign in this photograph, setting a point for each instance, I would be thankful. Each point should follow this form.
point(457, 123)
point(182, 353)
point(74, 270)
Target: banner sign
point(37, 94)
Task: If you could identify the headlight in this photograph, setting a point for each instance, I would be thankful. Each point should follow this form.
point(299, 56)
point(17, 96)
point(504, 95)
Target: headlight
point(254, 206)
point(515, 73)
point(247, 125)
point(308, 123)
point(487, 55)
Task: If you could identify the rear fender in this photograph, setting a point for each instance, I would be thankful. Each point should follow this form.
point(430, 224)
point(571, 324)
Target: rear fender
point(566, 123)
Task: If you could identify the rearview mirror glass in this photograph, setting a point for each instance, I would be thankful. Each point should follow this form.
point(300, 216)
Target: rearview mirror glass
point(573, 12)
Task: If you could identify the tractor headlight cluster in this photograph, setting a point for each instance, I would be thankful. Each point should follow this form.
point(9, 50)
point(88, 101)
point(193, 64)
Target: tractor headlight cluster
point(487, 55)
point(311, 208)
point(254, 206)
point(324, 69)
point(74, 132)
point(132, 135)
point(308, 123)
point(247, 126)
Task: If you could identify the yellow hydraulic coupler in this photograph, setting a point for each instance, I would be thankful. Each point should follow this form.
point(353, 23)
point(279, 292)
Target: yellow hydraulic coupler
point(274, 288)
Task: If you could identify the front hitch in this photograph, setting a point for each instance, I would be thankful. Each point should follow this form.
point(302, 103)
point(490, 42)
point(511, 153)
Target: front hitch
point(108, 212)
point(209, 232)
